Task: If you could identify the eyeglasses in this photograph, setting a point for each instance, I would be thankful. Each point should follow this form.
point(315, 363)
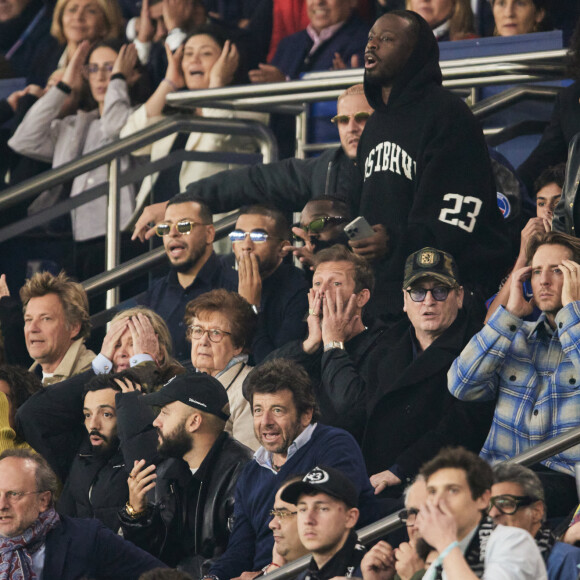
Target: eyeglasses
point(214, 334)
point(317, 225)
point(257, 236)
point(183, 227)
point(509, 504)
point(345, 119)
point(409, 516)
point(93, 69)
point(282, 513)
point(439, 293)
point(16, 496)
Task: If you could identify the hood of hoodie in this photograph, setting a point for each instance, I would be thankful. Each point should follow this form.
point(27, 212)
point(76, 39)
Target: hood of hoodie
point(421, 69)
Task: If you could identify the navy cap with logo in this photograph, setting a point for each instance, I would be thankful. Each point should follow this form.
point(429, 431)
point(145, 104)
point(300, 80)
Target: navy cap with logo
point(197, 390)
point(322, 480)
point(430, 263)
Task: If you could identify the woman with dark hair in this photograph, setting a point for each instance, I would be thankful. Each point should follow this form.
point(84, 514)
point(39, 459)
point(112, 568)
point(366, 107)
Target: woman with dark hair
point(514, 17)
point(220, 326)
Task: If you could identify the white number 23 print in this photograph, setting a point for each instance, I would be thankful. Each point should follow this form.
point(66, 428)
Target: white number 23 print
point(466, 207)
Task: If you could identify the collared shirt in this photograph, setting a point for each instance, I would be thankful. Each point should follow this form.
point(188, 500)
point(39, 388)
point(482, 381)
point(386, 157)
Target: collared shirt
point(319, 37)
point(535, 373)
point(264, 458)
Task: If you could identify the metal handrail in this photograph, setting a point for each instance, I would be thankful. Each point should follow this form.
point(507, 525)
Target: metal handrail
point(390, 523)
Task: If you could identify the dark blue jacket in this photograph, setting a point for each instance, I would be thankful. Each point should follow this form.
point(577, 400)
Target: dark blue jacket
point(86, 549)
point(168, 298)
point(292, 54)
point(251, 542)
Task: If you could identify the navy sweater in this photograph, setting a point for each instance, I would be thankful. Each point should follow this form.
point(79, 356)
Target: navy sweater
point(251, 542)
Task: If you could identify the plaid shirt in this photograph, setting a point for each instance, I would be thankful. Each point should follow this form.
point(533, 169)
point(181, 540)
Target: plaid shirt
point(535, 374)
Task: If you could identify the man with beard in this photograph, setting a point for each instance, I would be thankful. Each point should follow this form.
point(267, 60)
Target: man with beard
point(188, 234)
point(276, 290)
point(184, 521)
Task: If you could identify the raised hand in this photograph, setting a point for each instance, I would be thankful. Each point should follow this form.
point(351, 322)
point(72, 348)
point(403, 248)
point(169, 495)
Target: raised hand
point(113, 336)
point(145, 341)
point(73, 74)
point(174, 71)
point(141, 480)
point(383, 479)
point(338, 319)
point(571, 286)
point(223, 71)
point(126, 61)
point(266, 73)
point(379, 562)
point(146, 27)
point(314, 338)
point(151, 214)
point(249, 279)
point(517, 304)
point(372, 248)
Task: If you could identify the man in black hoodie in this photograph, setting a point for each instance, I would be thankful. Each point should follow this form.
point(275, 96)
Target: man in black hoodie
point(427, 175)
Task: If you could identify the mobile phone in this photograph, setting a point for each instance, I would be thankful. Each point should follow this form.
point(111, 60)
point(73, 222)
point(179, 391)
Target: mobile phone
point(359, 229)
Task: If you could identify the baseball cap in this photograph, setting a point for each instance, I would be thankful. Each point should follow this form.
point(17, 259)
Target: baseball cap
point(322, 480)
point(432, 263)
point(197, 390)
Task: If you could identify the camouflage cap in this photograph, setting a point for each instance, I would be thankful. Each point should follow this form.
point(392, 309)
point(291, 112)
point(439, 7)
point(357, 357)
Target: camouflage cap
point(431, 263)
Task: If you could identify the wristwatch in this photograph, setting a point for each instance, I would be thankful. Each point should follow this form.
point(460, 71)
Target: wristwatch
point(333, 344)
point(132, 512)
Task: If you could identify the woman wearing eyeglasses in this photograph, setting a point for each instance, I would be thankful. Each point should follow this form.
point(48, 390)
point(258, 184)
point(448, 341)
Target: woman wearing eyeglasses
point(220, 326)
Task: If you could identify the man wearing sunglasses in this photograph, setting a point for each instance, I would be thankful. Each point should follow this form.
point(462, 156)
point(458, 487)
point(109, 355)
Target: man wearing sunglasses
point(517, 499)
point(410, 413)
point(187, 232)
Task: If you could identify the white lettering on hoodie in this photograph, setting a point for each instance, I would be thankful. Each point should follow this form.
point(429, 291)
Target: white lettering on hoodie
point(388, 156)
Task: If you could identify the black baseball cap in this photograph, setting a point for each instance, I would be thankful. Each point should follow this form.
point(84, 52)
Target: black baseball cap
point(197, 390)
point(322, 480)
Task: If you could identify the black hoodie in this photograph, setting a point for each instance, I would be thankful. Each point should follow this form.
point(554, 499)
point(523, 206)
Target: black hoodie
point(428, 178)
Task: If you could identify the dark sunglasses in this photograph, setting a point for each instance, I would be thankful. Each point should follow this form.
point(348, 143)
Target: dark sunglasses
point(510, 504)
point(345, 119)
point(257, 236)
point(182, 226)
point(317, 225)
point(440, 293)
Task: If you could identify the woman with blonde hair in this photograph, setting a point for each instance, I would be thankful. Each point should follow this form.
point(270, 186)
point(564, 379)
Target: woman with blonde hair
point(449, 19)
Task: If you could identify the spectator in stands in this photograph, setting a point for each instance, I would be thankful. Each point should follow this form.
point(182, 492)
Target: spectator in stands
point(564, 124)
point(37, 542)
point(514, 17)
point(326, 502)
point(188, 235)
point(321, 226)
point(530, 368)
point(220, 326)
point(53, 421)
point(334, 37)
point(285, 417)
point(410, 414)
point(110, 71)
point(448, 19)
point(23, 25)
point(74, 21)
point(458, 490)
point(412, 154)
point(16, 386)
point(277, 290)
point(187, 522)
point(206, 60)
point(517, 499)
point(338, 347)
point(56, 324)
point(288, 184)
point(548, 191)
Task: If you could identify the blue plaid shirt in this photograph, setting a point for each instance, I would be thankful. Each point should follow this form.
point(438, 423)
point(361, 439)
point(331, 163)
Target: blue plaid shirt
point(535, 373)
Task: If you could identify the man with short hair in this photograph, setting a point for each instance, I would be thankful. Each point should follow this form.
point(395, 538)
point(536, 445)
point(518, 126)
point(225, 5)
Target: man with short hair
point(410, 414)
point(276, 290)
point(452, 521)
point(427, 176)
point(326, 502)
point(186, 520)
point(338, 346)
point(531, 368)
point(285, 415)
point(188, 234)
point(56, 324)
point(517, 499)
point(37, 542)
point(287, 184)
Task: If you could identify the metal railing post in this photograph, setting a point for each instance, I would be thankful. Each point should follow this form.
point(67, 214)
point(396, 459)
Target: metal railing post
point(113, 235)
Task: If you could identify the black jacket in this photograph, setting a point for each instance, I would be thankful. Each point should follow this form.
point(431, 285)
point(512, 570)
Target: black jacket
point(339, 376)
point(287, 184)
point(188, 521)
point(428, 178)
point(553, 147)
point(410, 413)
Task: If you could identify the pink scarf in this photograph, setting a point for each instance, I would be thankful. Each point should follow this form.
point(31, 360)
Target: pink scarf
point(16, 552)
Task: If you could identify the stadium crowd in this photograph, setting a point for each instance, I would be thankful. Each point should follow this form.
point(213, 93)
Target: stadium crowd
point(263, 400)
